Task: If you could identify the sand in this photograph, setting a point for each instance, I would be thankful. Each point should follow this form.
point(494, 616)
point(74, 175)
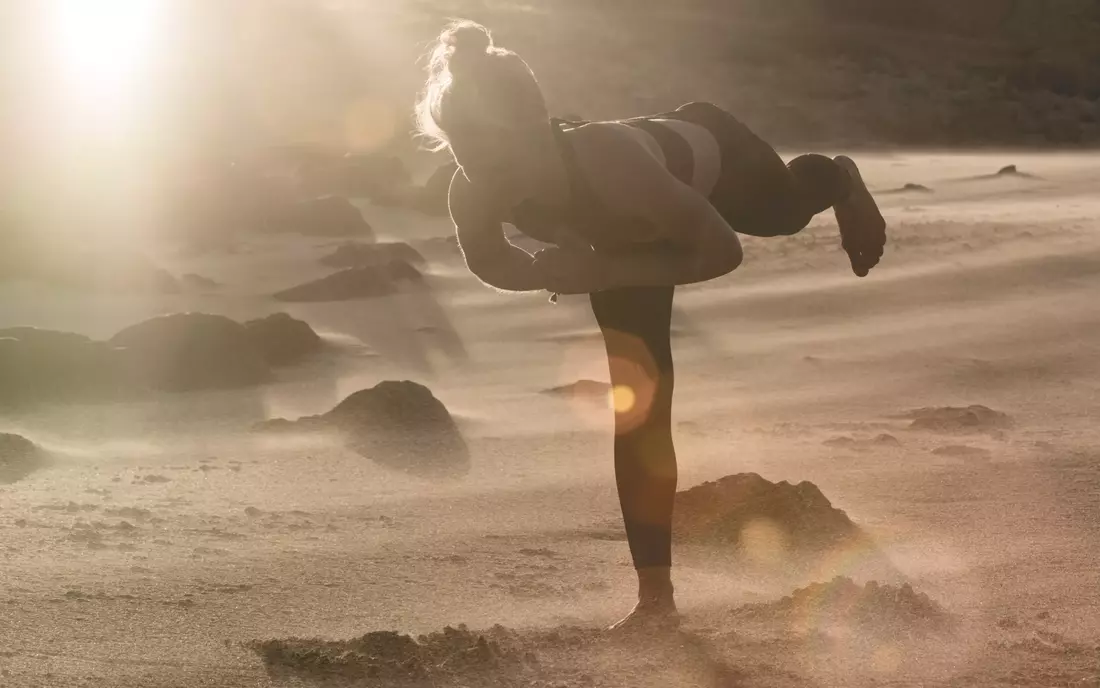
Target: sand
point(165, 545)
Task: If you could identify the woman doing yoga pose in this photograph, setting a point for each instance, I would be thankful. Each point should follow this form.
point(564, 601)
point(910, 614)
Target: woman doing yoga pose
point(630, 208)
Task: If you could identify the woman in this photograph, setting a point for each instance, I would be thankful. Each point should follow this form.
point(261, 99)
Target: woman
point(632, 208)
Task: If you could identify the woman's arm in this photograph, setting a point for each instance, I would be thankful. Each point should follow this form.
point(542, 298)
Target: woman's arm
point(681, 238)
point(488, 253)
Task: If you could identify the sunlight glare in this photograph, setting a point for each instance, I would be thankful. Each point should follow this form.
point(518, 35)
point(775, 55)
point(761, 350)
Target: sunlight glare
point(102, 44)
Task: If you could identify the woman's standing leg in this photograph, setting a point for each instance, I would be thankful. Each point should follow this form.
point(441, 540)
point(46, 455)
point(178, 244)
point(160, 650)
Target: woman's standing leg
point(636, 324)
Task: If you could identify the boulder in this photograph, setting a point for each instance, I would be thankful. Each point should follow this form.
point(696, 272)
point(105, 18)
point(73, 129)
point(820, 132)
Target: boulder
point(191, 351)
point(325, 216)
point(47, 366)
point(198, 282)
point(399, 424)
point(354, 283)
point(959, 419)
point(357, 255)
point(282, 339)
point(19, 457)
point(726, 511)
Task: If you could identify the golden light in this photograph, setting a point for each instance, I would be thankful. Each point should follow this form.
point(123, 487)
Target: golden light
point(623, 398)
point(101, 45)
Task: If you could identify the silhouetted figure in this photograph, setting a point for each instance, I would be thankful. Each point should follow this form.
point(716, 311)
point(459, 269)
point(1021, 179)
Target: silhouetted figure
point(633, 208)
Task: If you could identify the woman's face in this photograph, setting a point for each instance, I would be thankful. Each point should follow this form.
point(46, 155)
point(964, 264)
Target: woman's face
point(506, 158)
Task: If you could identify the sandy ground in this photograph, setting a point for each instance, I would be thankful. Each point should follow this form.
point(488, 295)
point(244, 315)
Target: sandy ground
point(164, 538)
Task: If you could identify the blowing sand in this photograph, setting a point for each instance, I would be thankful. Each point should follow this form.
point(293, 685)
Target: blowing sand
point(164, 544)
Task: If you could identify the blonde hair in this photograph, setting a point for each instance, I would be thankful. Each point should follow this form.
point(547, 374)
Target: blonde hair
point(471, 79)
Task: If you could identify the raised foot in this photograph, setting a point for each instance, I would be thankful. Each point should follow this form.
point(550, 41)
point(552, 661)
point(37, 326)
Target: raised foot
point(862, 227)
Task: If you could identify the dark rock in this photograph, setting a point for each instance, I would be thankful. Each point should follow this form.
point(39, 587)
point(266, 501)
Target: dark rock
point(921, 188)
point(191, 351)
point(47, 366)
point(1008, 170)
point(357, 255)
point(325, 216)
point(193, 281)
point(401, 425)
point(974, 418)
point(19, 457)
point(584, 389)
point(354, 283)
point(718, 512)
point(282, 339)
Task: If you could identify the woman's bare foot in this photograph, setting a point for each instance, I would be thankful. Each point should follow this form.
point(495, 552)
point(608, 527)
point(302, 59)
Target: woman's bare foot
point(862, 227)
point(656, 608)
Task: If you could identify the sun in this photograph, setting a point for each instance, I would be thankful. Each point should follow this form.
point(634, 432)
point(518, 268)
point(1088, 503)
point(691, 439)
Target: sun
point(101, 45)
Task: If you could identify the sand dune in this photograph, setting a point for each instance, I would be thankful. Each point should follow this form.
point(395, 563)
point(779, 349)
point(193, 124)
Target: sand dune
point(164, 546)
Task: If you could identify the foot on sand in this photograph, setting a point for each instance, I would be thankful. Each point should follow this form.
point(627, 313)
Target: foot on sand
point(648, 617)
point(656, 608)
point(862, 227)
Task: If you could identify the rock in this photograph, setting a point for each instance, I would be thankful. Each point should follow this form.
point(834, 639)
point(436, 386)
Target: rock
point(325, 216)
point(719, 511)
point(198, 282)
point(962, 452)
point(975, 418)
point(582, 389)
point(191, 351)
point(357, 255)
point(19, 457)
point(282, 339)
point(1008, 170)
point(921, 188)
point(47, 366)
point(354, 283)
point(399, 424)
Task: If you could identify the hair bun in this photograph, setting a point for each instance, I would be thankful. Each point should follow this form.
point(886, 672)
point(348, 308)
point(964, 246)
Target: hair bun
point(467, 39)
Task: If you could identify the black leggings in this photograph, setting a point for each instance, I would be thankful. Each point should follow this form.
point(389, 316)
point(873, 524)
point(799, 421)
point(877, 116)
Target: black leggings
point(758, 195)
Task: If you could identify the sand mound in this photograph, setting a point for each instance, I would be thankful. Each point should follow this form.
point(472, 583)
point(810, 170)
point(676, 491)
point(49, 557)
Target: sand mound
point(282, 339)
point(450, 655)
point(399, 424)
point(358, 255)
point(355, 283)
point(959, 419)
point(581, 389)
point(19, 457)
point(874, 608)
point(726, 511)
point(191, 351)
